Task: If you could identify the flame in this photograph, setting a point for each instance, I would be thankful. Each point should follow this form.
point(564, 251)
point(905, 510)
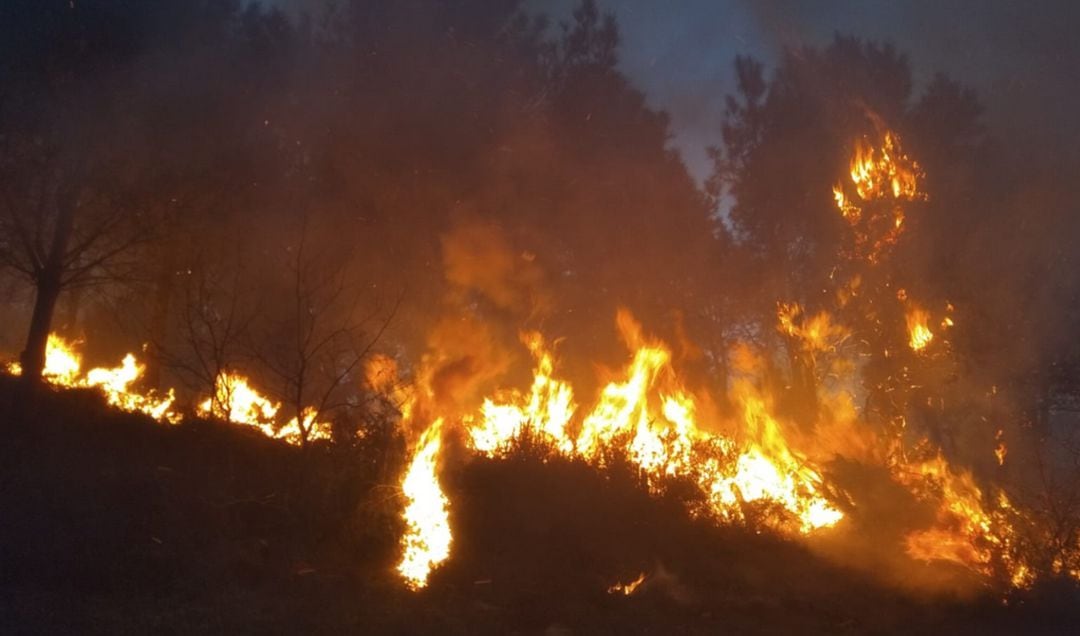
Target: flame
point(972, 530)
point(236, 401)
point(651, 419)
point(882, 179)
point(919, 334)
point(427, 536)
point(1000, 450)
point(547, 409)
point(63, 366)
point(646, 414)
point(626, 589)
point(62, 363)
point(815, 334)
point(117, 383)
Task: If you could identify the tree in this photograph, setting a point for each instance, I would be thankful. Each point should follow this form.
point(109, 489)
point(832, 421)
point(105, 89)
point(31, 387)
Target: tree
point(787, 142)
point(313, 334)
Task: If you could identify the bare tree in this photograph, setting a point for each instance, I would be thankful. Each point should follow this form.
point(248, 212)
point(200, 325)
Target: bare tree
point(316, 337)
point(214, 314)
point(63, 224)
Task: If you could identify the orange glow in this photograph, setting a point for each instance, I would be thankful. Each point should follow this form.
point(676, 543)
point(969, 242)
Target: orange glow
point(626, 589)
point(63, 365)
point(651, 419)
point(427, 536)
point(236, 401)
point(972, 529)
point(919, 334)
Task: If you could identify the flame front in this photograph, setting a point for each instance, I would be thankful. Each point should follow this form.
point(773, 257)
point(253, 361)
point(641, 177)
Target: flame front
point(236, 401)
point(746, 467)
point(651, 419)
point(427, 520)
point(63, 366)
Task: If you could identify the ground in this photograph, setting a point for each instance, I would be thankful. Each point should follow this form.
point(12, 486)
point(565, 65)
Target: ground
point(114, 524)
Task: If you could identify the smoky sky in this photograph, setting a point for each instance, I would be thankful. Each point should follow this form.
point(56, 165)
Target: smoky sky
point(1023, 58)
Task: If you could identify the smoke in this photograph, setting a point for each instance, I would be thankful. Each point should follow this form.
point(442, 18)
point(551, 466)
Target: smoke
point(478, 257)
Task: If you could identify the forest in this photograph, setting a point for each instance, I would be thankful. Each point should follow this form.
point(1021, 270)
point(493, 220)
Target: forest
point(387, 316)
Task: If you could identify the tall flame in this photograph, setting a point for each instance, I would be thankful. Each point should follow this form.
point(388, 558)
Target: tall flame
point(427, 535)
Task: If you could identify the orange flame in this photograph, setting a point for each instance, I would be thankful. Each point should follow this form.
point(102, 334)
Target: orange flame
point(63, 366)
point(919, 334)
point(427, 536)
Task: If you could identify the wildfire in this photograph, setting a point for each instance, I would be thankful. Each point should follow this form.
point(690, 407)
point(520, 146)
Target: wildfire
point(63, 366)
point(427, 536)
point(919, 334)
point(970, 530)
point(236, 401)
point(117, 383)
point(882, 179)
point(646, 415)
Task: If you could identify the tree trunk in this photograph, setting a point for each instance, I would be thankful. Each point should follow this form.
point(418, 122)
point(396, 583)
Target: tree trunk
point(48, 286)
point(32, 358)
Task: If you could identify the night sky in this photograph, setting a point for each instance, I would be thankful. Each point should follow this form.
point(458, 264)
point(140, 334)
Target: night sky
point(1023, 58)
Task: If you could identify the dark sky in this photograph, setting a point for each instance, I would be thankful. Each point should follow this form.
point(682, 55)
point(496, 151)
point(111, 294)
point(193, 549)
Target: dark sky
point(1023, 57)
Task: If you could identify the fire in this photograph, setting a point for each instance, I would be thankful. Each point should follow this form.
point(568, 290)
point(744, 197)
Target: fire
point(972, 530)
point(649, 418)
point(877, 172)
point(63, 365)
point(427, 536)
point(919, 334)
point(626, 589)
point(768, 470)
point(236, 401)
point(815, 334)
point(547, 409)
point(881, 180)
point(117, 383)
point(753, 462)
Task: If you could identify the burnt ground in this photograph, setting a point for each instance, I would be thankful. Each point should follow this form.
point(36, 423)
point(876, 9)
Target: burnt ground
point(113, 524)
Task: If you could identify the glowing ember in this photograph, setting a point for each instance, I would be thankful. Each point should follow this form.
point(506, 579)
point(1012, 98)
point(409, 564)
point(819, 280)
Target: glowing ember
point(427, 536)
point(626, 589)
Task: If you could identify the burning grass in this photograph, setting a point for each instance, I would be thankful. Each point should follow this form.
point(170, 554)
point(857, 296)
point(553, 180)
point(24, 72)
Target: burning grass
point(118, 524)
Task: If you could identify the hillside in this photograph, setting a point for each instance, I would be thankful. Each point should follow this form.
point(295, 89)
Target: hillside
point(116, 524)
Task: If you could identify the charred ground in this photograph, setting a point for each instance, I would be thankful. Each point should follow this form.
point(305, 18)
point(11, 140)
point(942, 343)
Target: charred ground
point(114, 523)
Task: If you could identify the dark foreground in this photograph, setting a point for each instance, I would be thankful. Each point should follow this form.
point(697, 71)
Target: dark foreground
point(113, 524)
